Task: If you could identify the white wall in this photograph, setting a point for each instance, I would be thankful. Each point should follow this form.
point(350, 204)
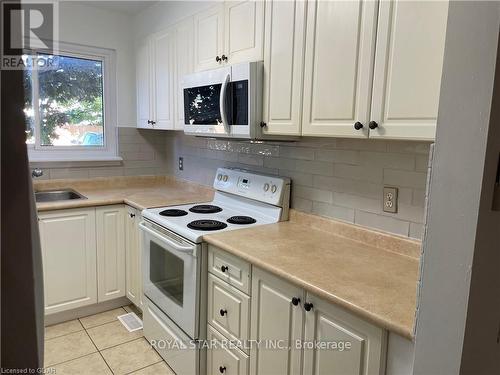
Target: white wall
point(86, 25)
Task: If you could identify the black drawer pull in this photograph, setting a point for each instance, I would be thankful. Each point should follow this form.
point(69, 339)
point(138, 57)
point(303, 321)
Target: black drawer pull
point(222, 312)
point(224, 268)
point(222, 369)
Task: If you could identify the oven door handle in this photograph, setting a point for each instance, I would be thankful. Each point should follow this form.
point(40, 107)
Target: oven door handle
point(222, 103)
point(184, 249)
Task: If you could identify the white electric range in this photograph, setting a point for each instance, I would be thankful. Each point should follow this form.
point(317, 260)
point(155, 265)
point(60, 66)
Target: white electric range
point(174, 256)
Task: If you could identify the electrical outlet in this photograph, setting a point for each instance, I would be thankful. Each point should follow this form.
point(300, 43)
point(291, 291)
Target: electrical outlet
point(181, 163)
point(391, 199)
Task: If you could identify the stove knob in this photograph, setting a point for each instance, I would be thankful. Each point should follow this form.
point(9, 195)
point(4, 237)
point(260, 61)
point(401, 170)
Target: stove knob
point(273, 189)
point(266, 186)
point(219, 177)
point(225, 178)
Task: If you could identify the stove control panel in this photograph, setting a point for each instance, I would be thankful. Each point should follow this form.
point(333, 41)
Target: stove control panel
point(268, 189)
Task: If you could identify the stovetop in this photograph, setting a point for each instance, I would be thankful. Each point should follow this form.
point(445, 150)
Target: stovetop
point(242, 199)
point(227, 213)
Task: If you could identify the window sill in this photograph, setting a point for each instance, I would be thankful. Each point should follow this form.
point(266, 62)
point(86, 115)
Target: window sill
point(75, 162)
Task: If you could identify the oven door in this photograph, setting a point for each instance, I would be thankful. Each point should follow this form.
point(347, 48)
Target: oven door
point(171, 273)
point(206, 103)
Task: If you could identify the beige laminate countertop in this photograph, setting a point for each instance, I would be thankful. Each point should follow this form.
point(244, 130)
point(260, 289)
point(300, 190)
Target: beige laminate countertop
point(139, 192)
point(369, 273)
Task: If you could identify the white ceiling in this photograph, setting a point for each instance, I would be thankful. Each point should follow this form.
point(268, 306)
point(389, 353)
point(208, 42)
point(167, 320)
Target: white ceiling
point(129, 7)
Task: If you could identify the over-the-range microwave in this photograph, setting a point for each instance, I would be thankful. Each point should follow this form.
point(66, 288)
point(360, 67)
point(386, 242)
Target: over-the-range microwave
point(225, 102)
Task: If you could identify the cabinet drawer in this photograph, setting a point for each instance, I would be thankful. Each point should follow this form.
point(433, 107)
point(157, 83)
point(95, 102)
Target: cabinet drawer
point(223, 360)
point(228, 309)
point(232, 270)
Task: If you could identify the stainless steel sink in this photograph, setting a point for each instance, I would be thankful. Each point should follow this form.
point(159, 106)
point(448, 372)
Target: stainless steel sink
point(57, 195)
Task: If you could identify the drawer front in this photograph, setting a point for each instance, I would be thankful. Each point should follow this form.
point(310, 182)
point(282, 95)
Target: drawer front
point(229, 268)
point(221, 360)
point(228, 309)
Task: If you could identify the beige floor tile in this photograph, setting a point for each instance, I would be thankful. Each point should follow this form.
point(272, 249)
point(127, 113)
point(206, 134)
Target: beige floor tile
point(65, 348)
point(111, 334)
point(160, 368)
point(92, 364)
point(130, 356)
point(62, 329)
point(101, 318)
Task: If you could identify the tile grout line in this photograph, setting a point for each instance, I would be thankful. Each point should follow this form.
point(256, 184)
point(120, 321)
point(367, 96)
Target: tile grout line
point(69, 360)
point(99, 351)
point(142, 368)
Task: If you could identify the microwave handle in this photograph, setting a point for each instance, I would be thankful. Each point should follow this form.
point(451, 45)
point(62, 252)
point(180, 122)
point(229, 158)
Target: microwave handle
point(184, 249)
point(222, 103)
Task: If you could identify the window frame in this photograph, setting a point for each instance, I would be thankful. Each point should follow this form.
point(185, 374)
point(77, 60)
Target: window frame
point(39, 153)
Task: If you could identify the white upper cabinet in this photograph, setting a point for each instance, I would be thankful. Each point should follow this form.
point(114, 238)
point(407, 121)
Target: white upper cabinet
point(110, 234)
point(232, 32)
point(408, 66)
point(68, 243)
point(143, 84)
point(328, 323)
point(209, 38)
point(339, 54)
point(183, 55)
point(163, 79)
point(243, 31)
point(283, 66)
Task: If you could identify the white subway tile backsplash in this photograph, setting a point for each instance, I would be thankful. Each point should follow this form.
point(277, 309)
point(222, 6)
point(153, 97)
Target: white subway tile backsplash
point(385, 223)
point(333, 211)
point(338, 178)
point(338, 156)
point(359, 173)
point(405, 178)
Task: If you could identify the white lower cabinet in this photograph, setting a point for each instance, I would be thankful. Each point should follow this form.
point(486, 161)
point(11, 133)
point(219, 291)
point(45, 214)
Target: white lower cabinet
point(225, 360)
point(291, 331)
point(68, 244)
point(331, 324)
point(133, 257)
point(110, 230)
point(83, 254)
point(275, 318)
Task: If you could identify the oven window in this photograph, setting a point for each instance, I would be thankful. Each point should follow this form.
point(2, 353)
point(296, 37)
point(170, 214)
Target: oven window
point(201, 105)
point(167, 272)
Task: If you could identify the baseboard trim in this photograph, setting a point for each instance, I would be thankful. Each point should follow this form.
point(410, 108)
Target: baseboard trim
point(80, 312)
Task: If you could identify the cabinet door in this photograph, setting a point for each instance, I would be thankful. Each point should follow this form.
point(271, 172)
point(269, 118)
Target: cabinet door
point(143, 84)
point(184, 41)
point(243, 31)
point(408, 66)
point(68, 244)
point(283, 66)
point(339, 53)
point(133, 257)
point(110, 229)
point(274, 317)
point(208, 38)
point(331, 324)
point(163, 79)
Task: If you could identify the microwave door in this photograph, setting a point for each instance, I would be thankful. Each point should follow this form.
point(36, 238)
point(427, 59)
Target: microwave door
point(205, 93)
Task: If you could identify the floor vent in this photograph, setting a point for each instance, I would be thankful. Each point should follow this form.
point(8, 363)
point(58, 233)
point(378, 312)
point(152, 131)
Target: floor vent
point(131, 321)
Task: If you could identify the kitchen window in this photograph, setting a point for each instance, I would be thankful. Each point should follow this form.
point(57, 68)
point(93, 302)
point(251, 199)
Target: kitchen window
point(70, 105)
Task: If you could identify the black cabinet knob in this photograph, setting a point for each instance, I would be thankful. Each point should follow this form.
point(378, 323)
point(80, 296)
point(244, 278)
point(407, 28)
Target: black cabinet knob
point(263, 124)
point(224, 58)
point(373, 125)
point(295, 301)
point(132, 215)
point(222, 312)
point(224, 268)
point(218, 59)
point(149, 121)
point(358, 125)
point(308, 306)
point(222, 369)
